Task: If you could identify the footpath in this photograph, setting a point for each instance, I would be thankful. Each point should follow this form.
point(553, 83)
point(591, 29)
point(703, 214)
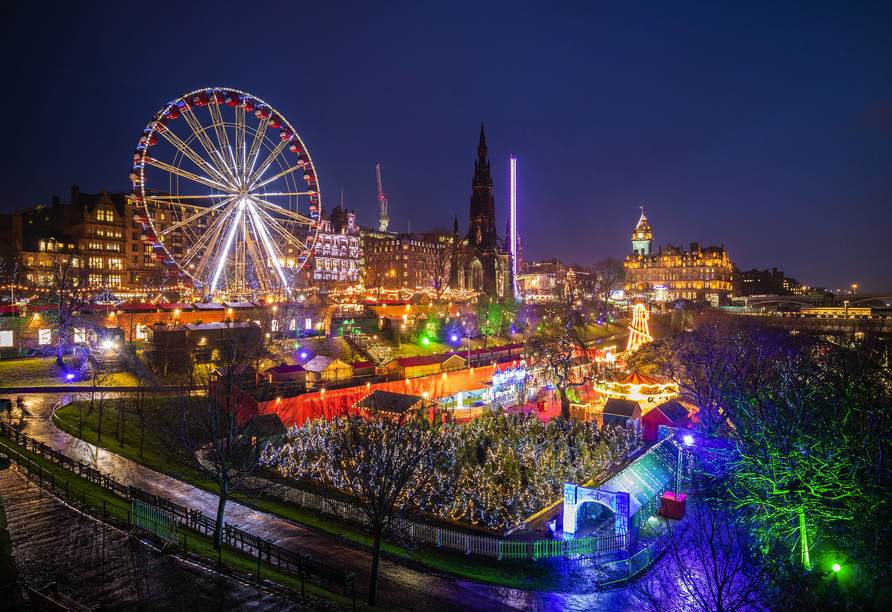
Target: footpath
point(409, 588)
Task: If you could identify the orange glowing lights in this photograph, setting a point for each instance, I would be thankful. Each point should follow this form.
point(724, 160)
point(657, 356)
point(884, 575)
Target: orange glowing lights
point(638, 332)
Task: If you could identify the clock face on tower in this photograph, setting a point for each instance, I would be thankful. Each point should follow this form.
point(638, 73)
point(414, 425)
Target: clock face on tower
point(641, 234)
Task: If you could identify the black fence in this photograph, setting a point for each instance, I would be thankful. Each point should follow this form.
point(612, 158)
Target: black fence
point(302, 564)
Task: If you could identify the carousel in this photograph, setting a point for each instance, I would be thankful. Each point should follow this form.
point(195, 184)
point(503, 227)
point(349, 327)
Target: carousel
point(648, 391)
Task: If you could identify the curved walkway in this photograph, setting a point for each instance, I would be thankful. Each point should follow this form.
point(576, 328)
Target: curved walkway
point(397, 583)
point(95, 563)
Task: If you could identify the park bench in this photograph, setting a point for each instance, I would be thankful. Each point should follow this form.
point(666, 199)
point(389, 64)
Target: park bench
point(49, 599)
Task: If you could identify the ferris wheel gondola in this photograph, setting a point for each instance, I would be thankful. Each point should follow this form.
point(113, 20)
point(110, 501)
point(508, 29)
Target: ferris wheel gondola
point(229, 194)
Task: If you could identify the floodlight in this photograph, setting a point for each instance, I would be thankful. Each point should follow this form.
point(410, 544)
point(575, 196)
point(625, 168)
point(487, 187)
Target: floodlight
point(836, 567)
point(689, 439)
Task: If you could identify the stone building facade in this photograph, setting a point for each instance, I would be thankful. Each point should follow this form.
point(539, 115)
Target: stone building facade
point(407, 261)
point(701, 273)
point(336, 255)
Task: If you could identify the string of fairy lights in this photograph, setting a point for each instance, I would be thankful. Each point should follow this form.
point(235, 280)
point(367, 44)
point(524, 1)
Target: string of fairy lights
point(504, 467)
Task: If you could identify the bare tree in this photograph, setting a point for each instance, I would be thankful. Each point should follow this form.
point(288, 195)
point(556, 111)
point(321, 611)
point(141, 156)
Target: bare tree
point(212, 435)
point(556, 356)
point(99, 377)
point(710, 565)
point(68, 300)
point(608, 278)
point(140, 402)
point(286, 325)
point(374, 271)
point(389, 467)
point(436, 266)
point(132, 321)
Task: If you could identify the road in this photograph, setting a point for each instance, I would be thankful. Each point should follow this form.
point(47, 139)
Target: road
point(407, 586)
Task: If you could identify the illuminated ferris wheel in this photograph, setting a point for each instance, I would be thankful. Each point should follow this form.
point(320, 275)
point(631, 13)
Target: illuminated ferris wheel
point(229, 194)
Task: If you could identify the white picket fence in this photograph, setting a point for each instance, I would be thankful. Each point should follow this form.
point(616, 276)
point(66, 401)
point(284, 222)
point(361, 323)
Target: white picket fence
point(464, 542)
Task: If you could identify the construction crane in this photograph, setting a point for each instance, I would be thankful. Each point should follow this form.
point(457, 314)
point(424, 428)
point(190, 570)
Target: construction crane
point(382, 202)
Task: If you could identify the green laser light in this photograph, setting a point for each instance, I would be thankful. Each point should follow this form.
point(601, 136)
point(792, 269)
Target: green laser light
point(836, 567)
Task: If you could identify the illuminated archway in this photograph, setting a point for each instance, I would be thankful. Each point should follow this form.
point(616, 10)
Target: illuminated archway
point(575, 496)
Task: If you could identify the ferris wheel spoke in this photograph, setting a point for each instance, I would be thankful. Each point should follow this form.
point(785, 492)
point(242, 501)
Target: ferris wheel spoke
point(277, 150)
point(198, 215)
point(187, 151)
point(272, 178)
point(223, 255)
point(188, 175)
point(173, 198)
point(275, 256)
point(276, 209)
point(263, 259)
point(199, 251)
point(255, 145)
point(219, 126)
point(200, 133)
point(283, 231)
point(267, 194)
point(240, 142)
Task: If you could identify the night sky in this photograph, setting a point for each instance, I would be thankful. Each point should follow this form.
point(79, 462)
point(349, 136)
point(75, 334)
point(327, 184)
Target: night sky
point(766, 127)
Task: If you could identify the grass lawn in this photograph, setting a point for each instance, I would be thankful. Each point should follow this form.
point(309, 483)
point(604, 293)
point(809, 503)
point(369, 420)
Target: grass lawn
point(509, 573)
point(43, 372)
point(596, 332)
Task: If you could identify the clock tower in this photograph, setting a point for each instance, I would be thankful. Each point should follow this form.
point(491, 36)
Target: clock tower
point(642, 239)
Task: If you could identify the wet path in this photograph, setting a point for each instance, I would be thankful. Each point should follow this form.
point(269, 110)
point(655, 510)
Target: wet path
point(97, 564)
point(416, 590)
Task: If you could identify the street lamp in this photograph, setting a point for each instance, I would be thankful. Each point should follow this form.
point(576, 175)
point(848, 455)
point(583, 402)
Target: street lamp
point(854, 288)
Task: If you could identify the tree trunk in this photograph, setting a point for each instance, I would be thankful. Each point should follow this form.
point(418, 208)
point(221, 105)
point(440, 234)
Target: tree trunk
point(803, 540)
point(142, 434)
point(218, 531)
point(376, 560)
point(565, 405)
point(121, 423)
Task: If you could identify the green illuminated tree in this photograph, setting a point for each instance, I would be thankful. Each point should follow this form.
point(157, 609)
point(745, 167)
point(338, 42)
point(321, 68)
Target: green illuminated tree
point(806, 433)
